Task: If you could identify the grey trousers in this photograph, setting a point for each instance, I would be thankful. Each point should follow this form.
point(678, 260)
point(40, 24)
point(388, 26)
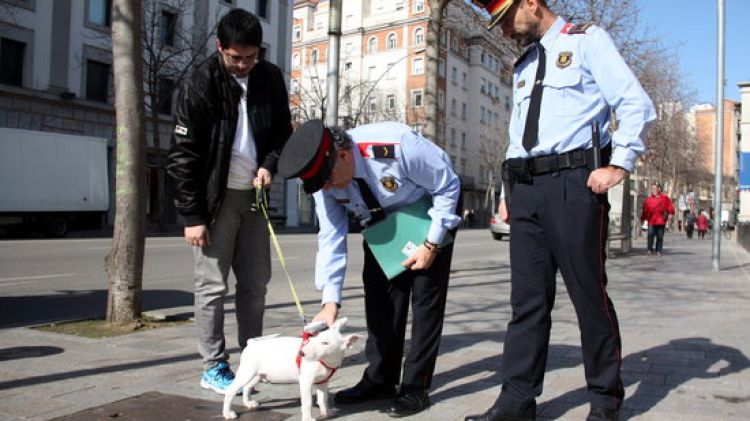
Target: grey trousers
point(240, 241)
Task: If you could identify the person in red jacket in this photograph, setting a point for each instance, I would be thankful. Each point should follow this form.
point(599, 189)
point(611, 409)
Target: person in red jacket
point(702, 224)
point(658, 210)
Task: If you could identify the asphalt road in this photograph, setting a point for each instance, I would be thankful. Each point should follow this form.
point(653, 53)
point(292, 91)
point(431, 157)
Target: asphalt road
point(44, 281)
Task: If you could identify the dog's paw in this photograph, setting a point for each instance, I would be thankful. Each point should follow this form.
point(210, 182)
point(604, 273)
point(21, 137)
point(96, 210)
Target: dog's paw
point(251, 404)
point(330, 413)
point(229, 415)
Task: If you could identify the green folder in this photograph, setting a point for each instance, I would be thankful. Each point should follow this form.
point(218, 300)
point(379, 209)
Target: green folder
point(395, 238)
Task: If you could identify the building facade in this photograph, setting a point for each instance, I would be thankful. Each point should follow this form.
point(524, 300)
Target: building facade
point(382, 77)
point(56, 61)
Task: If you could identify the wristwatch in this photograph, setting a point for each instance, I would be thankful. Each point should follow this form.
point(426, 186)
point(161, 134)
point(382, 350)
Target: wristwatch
point(432, 247)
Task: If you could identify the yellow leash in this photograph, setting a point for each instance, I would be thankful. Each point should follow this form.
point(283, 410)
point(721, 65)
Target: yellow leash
point(262, 201)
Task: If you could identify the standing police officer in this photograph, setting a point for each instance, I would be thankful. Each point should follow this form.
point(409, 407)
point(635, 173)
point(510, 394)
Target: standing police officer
point(370, 171)
point(569, 77)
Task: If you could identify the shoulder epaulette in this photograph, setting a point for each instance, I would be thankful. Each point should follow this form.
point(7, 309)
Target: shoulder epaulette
point(572, 29)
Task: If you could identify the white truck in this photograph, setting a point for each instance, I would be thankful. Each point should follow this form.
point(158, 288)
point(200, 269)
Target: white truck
point(49, 181)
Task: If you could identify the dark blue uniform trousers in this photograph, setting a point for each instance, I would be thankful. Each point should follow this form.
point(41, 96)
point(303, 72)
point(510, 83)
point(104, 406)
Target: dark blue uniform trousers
point(386, 308)
point(557, 222)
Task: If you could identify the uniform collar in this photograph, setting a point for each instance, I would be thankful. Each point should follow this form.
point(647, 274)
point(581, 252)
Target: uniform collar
point(552, 33)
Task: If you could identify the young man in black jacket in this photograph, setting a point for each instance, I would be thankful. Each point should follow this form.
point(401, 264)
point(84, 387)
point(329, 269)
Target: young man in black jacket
point(231, 123)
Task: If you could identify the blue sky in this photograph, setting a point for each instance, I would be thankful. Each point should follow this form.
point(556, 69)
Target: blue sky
point(690, 25)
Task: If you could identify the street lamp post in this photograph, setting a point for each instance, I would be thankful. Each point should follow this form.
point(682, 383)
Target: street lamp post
point(719, 142)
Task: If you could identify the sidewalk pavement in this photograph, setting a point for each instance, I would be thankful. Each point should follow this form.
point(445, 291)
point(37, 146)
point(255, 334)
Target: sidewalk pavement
point(684, 329)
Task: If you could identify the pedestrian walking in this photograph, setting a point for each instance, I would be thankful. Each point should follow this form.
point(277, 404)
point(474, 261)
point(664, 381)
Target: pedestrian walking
point(569, 77)
point(689, 224)
point(658, 210)
point(371, 171)
point(702, 224)
point(232, 121)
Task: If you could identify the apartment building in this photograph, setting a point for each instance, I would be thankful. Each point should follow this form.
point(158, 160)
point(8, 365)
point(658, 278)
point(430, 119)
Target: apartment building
point(382, 77)
point(56, 61)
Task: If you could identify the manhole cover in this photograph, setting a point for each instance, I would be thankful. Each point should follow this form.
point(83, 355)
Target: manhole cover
point(157, 406)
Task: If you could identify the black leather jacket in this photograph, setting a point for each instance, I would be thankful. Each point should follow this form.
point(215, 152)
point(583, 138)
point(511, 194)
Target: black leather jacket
point(205, 124)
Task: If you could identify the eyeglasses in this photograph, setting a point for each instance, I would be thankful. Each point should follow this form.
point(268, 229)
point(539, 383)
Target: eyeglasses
point(237, 59)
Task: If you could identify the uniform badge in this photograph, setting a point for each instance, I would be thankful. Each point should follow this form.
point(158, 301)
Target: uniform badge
point(180, 130)
point(521, 84)
point(564, 59)
point(389, 183)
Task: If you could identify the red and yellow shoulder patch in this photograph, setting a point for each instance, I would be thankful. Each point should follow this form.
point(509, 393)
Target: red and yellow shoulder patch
point(574, 29)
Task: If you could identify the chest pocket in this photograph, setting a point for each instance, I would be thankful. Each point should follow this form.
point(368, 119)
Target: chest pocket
point(563, 90)
point(523, 94)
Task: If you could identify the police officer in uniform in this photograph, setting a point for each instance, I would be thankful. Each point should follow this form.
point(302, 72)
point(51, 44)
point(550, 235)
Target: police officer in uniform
point(369, 172)
point(570, 78)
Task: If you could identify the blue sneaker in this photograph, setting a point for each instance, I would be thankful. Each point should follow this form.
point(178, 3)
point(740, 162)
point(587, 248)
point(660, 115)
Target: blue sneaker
point(217, 378)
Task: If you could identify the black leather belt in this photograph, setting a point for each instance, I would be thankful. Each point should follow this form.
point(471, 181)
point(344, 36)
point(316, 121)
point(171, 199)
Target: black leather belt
point(520, 169)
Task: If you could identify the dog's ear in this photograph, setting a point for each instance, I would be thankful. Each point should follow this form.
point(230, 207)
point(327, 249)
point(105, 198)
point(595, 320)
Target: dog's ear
point(349, 341)
point(339, 323)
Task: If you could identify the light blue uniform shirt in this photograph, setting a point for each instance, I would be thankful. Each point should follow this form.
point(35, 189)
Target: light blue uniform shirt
point(418, 168)
point(585, 77)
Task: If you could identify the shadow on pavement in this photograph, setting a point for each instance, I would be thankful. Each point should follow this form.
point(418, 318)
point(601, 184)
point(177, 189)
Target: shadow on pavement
point(658, 371)
point(76, 305)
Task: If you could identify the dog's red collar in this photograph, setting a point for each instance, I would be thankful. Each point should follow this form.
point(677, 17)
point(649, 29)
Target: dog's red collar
point(331, 370)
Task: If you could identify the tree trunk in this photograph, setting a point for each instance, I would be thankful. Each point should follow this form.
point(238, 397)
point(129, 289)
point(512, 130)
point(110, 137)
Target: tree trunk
point(124, 263)
point(431, 109)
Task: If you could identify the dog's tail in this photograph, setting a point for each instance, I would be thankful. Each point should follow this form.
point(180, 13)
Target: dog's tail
point(262, 338)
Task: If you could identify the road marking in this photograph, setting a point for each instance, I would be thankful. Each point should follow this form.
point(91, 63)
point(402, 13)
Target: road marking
point(28, 278)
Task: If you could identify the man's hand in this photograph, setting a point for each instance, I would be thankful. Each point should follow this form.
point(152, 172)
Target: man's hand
point(263, 178)
point(605, 178)
point(421, 259)
point(198, 235)
point(328, 313)
point(502, 210)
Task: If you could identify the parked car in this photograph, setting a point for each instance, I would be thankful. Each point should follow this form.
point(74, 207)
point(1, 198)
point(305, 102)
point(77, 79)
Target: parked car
point(498, 228)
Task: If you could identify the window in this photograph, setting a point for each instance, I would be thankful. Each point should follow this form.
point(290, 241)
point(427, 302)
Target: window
point(314, 56)
point(463, 140)
point(441, 68)
point(416, 98)
point(371, 73)
point(373, 105)
point(453, 106)
point(390, 102)
point(482, 112)
point(167, 25)
point(463, 80)
point(100, 12)
point(392, 41)
point(11, 62)
point(295, 61)
point(294, 85)
point(372, 45)
point(453, 136)
point(417, 66)
point(507, 103)
point(261, 8)
point(348, 65)
point(418, 6)
point(166, 88)
point(454, 75)
point(297, 31)
point(97, 81)
point(419, 36)
point(463, 111)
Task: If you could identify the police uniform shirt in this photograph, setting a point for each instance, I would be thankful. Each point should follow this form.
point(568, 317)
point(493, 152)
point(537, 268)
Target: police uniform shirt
point(400, 167)
point(585, 76)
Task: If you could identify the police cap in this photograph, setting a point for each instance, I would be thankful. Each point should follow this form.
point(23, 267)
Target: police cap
point(496, 8)
point(308, 154)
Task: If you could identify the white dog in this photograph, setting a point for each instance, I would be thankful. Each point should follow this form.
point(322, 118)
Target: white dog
point(311, 362)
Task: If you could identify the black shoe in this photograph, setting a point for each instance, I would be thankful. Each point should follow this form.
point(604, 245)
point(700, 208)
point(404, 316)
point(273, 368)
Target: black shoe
point(494, 414)
point(603, 414)
point(409, 403)
point(364, 391)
